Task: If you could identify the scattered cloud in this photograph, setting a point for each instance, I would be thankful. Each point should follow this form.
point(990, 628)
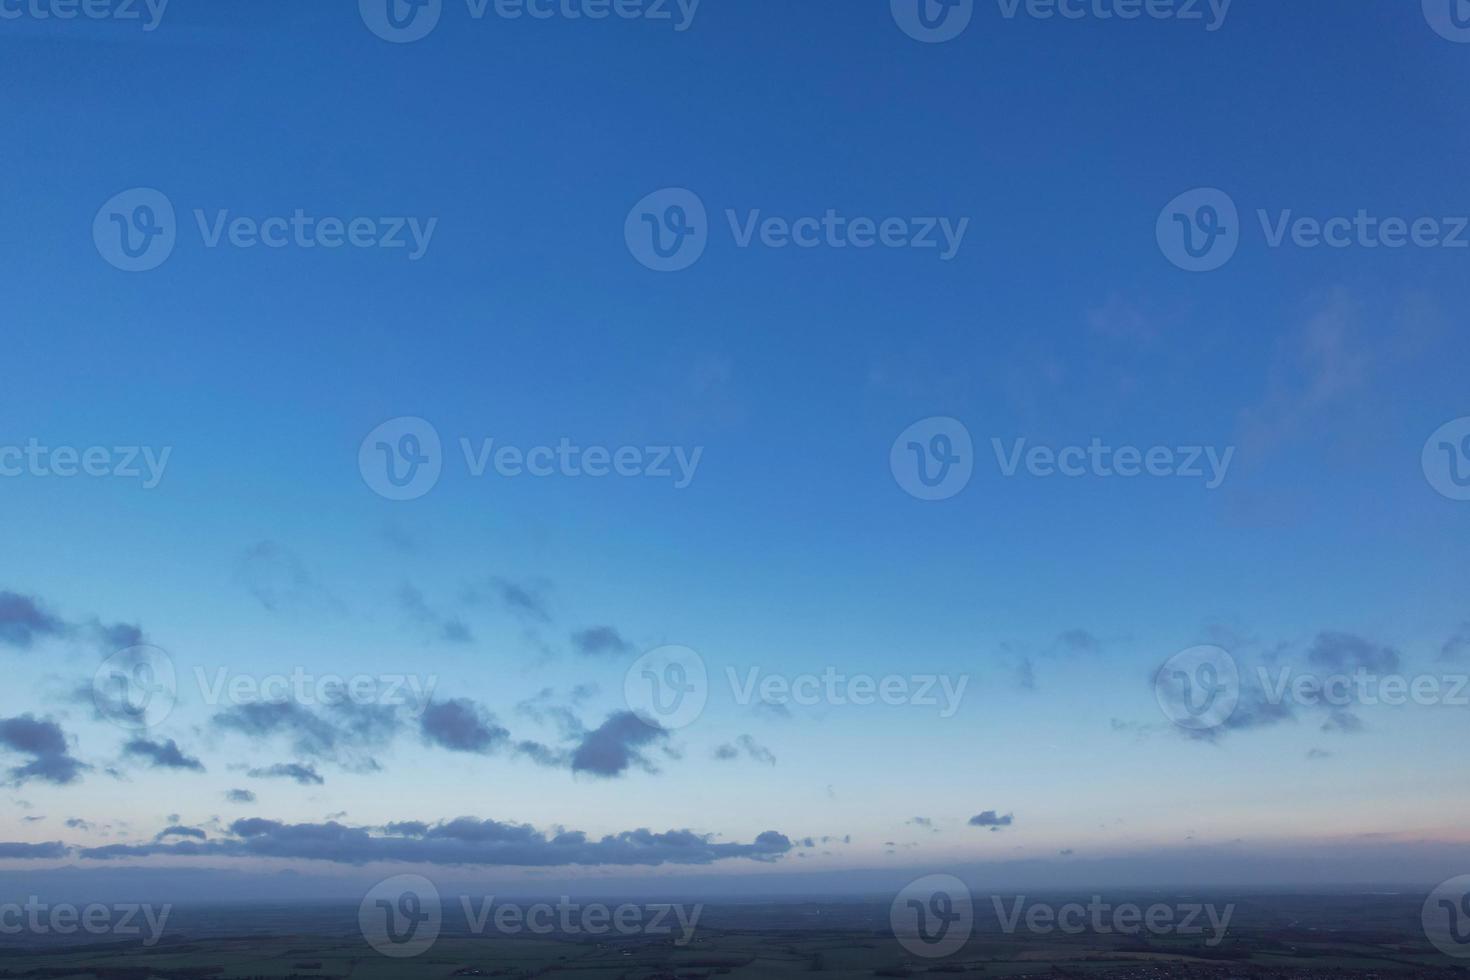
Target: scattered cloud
point(615, 746)
point(991, 820)
point(46, 744)
point(600, 641)
point(161, 755)
point(305, 775)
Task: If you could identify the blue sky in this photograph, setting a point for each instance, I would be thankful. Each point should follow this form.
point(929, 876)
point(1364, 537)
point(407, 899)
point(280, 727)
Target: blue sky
point(794, 548)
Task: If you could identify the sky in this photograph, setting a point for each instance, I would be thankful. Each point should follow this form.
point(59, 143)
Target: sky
point(354, 318)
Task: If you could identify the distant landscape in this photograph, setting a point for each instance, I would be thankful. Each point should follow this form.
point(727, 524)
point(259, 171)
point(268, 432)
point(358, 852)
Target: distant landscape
point(1297, 936)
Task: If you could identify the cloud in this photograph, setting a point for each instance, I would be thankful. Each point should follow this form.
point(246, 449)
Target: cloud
point(462, 726)
point(611, 748)
point(305, 775)
point(162, 755)
point(450, 629)
point(463, 841)
point(240, 796)
point(279, 580)
point(991, 820)
point(749, 747)
point(193, 833)
point(34, 852)
point(23, 620)
point(1456, 646)
point(1347, 652)
point(46, 743)
point(600, 641)
point(341, 731)
point(527, 600)
point(1079, 641)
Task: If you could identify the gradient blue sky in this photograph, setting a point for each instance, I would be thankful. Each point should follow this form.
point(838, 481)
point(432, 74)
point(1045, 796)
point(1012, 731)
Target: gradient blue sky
point(793, 549)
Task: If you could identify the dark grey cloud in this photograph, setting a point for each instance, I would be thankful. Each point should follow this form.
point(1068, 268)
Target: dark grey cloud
point(77, 823)
point(23, 620)
point(747, 746)
point(600, 641)
point(46, 744)
point(305, 775)
point(616, 745)
point(33, 852)
point(463, 841)
point(992, 820)
point(461, 725)
point(240, 796)
point(191, 833)
point(162, 755)
point(925, 822)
